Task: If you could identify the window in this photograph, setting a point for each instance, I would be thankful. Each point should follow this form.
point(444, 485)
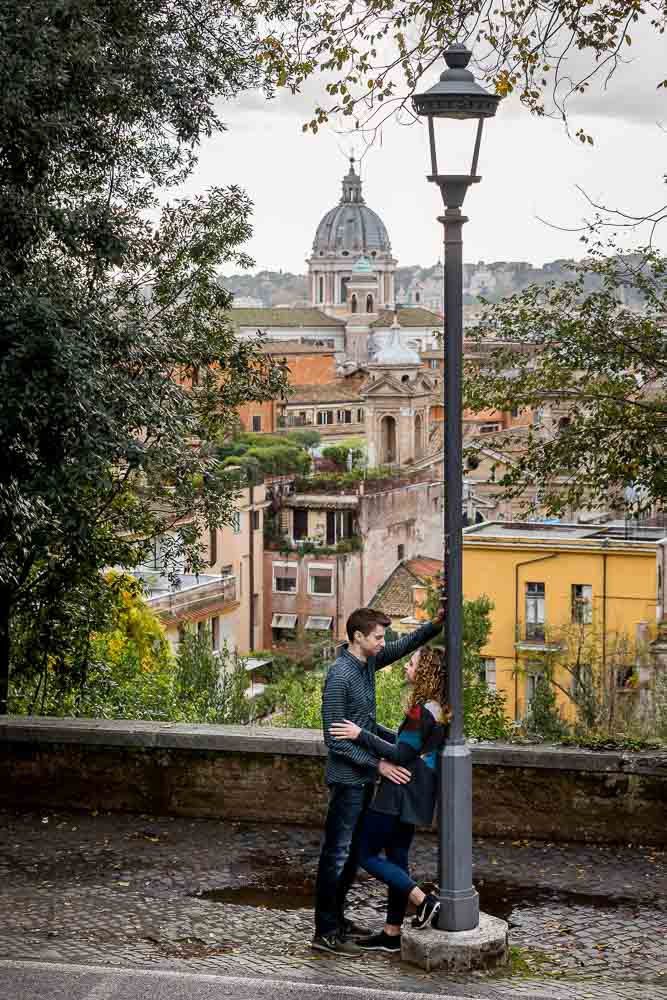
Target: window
point(227, 571)
point(321, 290)
point(582, 603)
point(360, 416)
point(344, 416)
point(284, 578)
point(400, 552)
point(340, 524)
point(535, 612)
point(317, 624)
point(215, 633)
point(320, 580)
point(195, 377)
point(369, 303)
point(324, 417)
point(488, 428)
point(487, 674)
point(514, 412)
point(255, 514)
point(299, 523)
point(201, 630)
point(236, 522)
point(532, 682)
point(433, 363)
point(283, 621)
point(213, 546)
point(256, 423)
point(283, 628)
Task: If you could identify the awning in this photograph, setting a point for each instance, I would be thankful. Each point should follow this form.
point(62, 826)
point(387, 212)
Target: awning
point(283, 621)
point(254, 663)
point(318, 624)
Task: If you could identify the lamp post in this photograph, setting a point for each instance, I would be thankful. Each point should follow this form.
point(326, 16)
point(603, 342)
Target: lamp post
point(458, 96)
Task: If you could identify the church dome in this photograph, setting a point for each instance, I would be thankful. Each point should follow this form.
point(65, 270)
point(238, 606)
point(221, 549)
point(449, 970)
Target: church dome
point(351, 227)
point(393, 353)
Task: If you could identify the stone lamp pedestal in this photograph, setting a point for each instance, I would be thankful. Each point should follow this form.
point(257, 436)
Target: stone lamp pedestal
point(457, 951)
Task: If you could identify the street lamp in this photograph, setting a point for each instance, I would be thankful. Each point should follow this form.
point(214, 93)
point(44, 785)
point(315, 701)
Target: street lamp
point(456, 95)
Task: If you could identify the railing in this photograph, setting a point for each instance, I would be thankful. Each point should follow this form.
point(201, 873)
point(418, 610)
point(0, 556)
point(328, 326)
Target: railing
point(294, 421)
point(219, 588)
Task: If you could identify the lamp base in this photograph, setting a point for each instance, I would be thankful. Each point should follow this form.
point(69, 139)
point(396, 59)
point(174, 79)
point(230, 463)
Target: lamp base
point(457, 951)
point(459, 911)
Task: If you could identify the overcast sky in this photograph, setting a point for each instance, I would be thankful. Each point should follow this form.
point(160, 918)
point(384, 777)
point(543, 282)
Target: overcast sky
point(530, 169)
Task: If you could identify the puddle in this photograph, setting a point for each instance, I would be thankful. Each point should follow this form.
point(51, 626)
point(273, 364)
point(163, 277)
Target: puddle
point(295, 891)
point(501, 899)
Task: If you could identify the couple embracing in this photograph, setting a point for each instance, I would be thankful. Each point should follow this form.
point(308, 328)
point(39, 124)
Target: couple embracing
point(382, 784)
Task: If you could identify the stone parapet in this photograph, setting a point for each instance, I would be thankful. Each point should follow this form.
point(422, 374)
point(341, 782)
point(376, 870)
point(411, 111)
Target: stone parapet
point(277, 775)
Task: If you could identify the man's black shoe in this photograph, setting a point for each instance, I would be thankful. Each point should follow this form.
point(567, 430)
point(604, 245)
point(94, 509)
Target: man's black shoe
point(335, 945)
point(382, 942)
point(352, 929)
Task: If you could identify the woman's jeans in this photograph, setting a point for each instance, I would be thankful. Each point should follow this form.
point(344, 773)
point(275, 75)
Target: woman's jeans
point(339, 857)
point(380, 832)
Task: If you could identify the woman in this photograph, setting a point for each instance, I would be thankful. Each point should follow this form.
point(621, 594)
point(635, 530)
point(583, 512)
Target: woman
point(389, 824)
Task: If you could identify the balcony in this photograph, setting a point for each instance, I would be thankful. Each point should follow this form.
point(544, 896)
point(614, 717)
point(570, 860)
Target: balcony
point(534, 640)
point(287, 423)
point(195, 593)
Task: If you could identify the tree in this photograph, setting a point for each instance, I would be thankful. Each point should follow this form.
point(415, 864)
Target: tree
point(118, 363)
point(374, 56)
point(122, 669)
point(598, 369)
point(590, 670)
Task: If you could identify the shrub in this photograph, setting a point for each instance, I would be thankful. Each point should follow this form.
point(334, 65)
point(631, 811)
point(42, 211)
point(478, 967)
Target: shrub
point(543, 719)
point(484, 716)
point(304, 438)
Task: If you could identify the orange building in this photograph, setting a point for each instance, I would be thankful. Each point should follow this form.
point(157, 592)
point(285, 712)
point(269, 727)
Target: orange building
point(308, 364)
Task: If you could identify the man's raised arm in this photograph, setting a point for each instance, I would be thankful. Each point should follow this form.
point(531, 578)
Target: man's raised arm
point(409, 643)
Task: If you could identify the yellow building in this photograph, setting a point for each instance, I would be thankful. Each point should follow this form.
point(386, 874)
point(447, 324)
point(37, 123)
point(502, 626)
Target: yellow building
point(546, 580)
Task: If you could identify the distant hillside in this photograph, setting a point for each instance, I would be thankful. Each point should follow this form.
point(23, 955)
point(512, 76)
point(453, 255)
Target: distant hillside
point(417, 285)
point(271, 288)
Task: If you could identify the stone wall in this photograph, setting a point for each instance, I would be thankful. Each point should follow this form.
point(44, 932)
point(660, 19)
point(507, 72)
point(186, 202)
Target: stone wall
point(277, 776)
point(410, 516)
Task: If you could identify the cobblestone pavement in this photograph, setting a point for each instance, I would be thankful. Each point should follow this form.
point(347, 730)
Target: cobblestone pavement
point(236, 899)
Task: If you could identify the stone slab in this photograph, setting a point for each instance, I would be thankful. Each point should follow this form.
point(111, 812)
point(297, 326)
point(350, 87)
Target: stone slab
point(457, 952)
point(304, 743)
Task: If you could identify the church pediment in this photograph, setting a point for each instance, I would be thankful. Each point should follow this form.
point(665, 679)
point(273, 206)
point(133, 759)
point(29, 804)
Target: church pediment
point(392, 385)
point(385, 385)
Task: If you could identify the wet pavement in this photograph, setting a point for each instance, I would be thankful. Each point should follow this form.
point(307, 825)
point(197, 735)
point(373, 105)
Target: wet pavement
point(236, 899)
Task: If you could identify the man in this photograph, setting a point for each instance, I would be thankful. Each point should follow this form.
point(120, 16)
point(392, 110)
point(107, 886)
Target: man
point(349, 693)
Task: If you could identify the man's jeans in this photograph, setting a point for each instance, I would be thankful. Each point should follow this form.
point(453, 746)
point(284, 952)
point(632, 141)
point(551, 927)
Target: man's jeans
point(381, 832)
point(339, 857)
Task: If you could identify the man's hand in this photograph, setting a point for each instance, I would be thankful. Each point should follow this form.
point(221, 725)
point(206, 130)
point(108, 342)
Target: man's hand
point(440, 617)
point(399, 775)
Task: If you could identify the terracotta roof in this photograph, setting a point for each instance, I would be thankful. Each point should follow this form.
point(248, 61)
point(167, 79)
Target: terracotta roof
point(330, 392)
point(425, 568)
point(395, 596)
point(295, 347)
point(295, 318)
point(409, 318)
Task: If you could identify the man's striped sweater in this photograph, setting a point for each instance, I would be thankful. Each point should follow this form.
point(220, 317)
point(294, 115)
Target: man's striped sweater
point(349, 693)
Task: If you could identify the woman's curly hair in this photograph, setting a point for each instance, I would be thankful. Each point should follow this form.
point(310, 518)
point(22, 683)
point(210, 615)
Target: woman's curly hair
point(429, 682)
